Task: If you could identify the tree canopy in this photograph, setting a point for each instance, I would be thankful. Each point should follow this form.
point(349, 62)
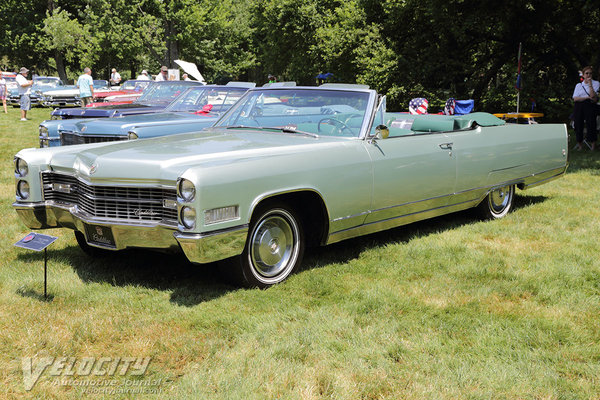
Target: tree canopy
point(403, 48)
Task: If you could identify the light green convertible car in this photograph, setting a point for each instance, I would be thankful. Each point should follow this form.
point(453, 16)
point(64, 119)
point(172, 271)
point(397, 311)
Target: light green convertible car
point(286, 166)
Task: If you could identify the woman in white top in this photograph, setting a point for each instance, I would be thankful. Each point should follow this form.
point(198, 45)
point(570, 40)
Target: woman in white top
point(585, 96)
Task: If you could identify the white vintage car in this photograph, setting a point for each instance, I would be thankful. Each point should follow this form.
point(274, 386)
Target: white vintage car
point(69, 95)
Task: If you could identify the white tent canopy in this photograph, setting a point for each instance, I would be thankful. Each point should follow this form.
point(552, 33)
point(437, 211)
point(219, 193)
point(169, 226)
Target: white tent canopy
point(191, 69)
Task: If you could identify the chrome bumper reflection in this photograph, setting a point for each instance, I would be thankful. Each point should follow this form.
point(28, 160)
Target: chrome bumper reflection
point(198, 248)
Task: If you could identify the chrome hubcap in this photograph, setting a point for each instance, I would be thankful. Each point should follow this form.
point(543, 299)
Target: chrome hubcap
point(500, 198)
point(273, 246)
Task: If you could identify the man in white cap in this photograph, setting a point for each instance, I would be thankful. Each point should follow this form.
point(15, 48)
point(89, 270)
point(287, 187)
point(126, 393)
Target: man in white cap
point(143, 76)
point(162, 75)
point(24, 86)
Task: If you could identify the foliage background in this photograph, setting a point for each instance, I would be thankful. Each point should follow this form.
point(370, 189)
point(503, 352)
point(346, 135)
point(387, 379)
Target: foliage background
point(403, 48)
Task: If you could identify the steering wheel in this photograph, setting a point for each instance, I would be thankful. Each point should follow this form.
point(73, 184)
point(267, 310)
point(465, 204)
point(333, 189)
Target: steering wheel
point(339, 125)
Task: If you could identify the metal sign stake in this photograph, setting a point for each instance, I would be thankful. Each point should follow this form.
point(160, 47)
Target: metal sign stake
point(39, 242)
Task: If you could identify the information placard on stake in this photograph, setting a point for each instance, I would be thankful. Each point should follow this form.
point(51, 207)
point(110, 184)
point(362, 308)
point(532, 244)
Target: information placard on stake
point(38, 242)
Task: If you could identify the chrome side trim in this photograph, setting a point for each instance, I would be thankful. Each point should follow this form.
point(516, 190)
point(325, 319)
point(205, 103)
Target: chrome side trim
point(398, 221)
point(466, 199)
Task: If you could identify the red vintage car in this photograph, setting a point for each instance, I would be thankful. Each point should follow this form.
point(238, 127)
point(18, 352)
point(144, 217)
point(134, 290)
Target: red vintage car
point(127, 93)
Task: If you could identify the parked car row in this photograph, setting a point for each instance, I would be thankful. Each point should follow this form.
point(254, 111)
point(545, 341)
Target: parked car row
point(49, 91)
point(280, 168)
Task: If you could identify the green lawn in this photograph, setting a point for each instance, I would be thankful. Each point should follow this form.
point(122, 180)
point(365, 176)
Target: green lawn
point(448, 308)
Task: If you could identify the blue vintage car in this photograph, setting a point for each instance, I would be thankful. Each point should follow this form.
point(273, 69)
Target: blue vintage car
point(283, 168)
point(197, 108)
point(156, 97)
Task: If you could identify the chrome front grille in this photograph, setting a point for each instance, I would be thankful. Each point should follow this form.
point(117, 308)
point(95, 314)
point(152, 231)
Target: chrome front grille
point(68, 138)
point(132, 204)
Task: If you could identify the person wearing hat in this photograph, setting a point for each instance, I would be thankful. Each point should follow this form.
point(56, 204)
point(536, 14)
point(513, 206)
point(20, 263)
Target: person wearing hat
point(186, 77)
point(162, 75)
point(143, 76)
point(24, 86)
point(115, 77)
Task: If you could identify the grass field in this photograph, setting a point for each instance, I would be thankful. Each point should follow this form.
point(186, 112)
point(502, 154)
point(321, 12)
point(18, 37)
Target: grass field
point(450, 308)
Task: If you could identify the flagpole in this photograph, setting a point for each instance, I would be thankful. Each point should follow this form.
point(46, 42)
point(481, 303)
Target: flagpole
point(519, 77)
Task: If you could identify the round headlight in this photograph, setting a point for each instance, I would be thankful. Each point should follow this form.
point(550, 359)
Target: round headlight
point(43, 131)
point(23, 190)
point(188, 217)
point(21, 167)
point(131, 135)
point(186, 190)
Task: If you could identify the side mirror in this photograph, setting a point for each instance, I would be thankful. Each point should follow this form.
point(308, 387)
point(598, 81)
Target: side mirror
point(382, 132)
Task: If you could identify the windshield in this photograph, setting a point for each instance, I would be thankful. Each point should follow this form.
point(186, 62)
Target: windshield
point(48, 82)
point(162, 92)
point(137, 86)
point(313, 111)
point(220, 98)
point(100, 84)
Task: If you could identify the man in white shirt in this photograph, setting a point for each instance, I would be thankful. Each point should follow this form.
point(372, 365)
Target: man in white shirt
point(143, 76)
point(162, 75)
point(115, 77)
point(24, 86)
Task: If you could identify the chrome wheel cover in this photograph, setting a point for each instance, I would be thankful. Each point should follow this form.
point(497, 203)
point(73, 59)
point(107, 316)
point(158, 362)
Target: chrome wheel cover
point(500, 199)
point(273, 248)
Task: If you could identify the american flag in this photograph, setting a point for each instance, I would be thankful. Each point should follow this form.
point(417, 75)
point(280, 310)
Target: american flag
point(418, 106)
point(449, 107)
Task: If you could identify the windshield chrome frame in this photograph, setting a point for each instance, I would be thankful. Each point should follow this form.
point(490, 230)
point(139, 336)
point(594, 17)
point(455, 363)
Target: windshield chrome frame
point(369, 111)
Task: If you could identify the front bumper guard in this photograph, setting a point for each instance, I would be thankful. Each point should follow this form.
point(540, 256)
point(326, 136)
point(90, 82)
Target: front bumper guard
point(199, 248)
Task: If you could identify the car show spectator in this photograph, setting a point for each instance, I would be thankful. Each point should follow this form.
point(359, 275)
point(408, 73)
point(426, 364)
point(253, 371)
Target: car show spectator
point(186, 77)
point(85, 83)
point(3, 92)
point(585, 97)
point(24, 86)
point(162, 75)
point(115, 77)
point(143, 76)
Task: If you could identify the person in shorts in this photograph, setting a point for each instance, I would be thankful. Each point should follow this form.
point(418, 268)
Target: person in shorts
point(24, 86)
point(85, 83)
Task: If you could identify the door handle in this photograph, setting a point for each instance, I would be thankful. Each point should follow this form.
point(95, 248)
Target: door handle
point(446, 146)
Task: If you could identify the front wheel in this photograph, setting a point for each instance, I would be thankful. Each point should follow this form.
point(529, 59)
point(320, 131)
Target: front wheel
point(497, 203)
point(274, 248)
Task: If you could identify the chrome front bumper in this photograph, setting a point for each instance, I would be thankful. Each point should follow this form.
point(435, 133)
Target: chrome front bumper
point(198, 247)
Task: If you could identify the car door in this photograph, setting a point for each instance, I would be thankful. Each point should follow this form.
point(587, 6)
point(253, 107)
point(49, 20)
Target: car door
point(412, 175)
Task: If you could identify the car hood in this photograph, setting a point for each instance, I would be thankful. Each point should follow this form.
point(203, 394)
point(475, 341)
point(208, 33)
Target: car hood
point(166, 158)
point(112, 126)
point(109, 111)
point(64, 90)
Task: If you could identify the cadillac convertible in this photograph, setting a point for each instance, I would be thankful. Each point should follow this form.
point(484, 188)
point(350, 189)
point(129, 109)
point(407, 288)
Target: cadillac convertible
point(284, 168)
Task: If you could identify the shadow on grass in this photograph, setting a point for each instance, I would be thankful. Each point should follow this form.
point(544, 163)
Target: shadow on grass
point(34, 294)
point(192, 284)
point(189, 284)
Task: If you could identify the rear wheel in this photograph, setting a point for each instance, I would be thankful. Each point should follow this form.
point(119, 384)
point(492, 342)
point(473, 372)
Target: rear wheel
point(274, 248)
point(497, 203)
